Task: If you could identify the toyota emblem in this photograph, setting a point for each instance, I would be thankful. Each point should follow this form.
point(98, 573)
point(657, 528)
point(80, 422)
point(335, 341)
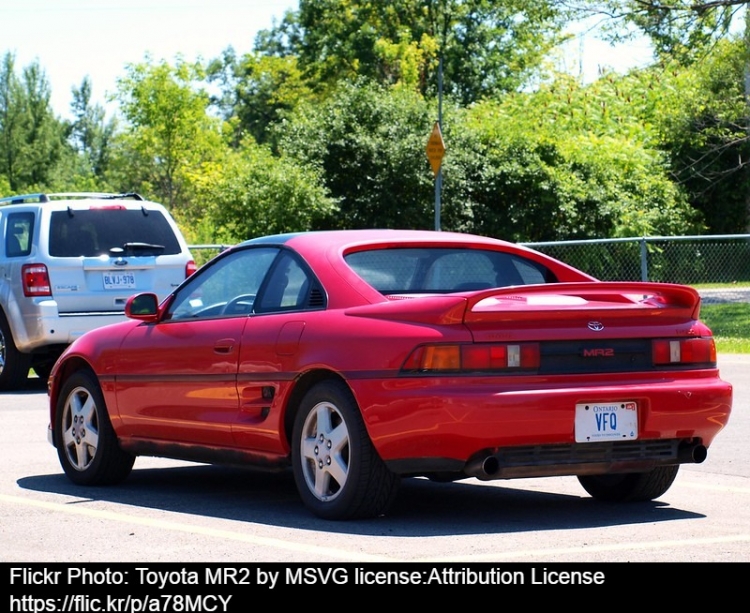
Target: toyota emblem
point(596, 326)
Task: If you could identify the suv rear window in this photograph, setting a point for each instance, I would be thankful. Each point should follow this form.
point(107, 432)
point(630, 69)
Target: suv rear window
point(92, 232)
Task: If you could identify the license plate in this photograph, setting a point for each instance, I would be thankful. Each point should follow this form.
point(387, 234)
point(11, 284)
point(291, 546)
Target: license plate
point(606, 421)
point(119, 280)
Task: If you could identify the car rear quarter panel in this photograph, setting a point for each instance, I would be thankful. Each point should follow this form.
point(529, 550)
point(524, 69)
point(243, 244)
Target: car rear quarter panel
point(281, 352)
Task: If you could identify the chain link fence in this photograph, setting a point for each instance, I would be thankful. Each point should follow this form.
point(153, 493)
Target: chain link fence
point(719, 266)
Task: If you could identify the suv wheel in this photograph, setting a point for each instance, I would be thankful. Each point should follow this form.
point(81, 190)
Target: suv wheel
point(14, 365)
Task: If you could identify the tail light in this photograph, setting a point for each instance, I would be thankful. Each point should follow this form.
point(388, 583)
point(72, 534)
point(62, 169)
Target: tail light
point(684, 351)
point(35, 280)
point(473, 358)
point(190, 268)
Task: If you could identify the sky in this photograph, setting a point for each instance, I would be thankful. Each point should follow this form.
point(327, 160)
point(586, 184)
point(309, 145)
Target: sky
point(73, 39)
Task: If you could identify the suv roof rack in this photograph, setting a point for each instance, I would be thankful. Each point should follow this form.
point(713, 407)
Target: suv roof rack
point(42, 197)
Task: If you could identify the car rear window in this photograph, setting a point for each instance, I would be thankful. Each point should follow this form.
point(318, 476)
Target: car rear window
point(93, 232)
point(442, 270)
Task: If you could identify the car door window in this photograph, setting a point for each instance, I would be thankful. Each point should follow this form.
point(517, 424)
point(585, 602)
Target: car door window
point(287, 288)
point(228, 287)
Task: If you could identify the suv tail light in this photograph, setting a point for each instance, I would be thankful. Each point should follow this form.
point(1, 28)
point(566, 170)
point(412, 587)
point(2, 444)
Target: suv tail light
point(35, 280)
point(190, 268)
point(474, 358)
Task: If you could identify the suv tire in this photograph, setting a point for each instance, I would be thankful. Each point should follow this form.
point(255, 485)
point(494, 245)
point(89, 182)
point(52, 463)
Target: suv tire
point(14, 365)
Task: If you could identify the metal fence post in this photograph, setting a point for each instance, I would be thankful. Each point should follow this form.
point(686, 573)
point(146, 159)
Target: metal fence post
point(644, 259)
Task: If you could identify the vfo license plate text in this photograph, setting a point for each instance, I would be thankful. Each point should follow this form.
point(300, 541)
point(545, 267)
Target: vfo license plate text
point(120, 280)
point(606, 421)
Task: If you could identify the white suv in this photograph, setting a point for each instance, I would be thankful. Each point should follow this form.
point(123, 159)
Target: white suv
point(69, 262)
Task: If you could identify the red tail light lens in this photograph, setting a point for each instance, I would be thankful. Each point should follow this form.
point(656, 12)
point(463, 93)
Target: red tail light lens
point(190, 268)
point(684, 351)
point(474, 358)
point(35, 280)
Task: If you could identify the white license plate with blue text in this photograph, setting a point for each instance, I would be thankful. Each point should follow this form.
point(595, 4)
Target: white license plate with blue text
point(606, 421)
point(119, 280)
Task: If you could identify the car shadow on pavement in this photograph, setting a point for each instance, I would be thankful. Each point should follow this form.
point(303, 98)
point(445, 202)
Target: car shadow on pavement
point(422, 508)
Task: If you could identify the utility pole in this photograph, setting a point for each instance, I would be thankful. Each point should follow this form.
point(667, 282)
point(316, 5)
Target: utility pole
point(436, 147)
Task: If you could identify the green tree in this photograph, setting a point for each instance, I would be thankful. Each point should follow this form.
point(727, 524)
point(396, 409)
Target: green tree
point(250, 192)
point(169, 131)
point(90, 134)
point(257, 92)
point(682, 30)
point(711, 134)
point(369, 143)
point(703, 129)
point(521, 176)
point(11, 122)
point(488, 47)
point(32, 140)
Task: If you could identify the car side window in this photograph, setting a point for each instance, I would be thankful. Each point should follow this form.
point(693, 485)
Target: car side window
point(19, 230)
point(225, 288)
point(287, 287)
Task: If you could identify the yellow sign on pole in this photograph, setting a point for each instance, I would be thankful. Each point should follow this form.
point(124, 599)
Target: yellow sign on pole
point(435, 148)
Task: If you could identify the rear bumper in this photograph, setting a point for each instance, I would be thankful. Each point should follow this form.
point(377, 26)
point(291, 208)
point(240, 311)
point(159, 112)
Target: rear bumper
point(527, 428)
point(44, 325)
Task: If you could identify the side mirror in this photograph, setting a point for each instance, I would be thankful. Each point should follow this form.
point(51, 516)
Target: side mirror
point(144, 307)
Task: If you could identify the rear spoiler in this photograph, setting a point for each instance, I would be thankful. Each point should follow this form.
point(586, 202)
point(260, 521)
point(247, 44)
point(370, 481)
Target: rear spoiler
point(527, 301)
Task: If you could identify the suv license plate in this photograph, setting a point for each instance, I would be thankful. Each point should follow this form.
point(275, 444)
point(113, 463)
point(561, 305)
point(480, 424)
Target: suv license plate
point(606, 421)
point(121, 280)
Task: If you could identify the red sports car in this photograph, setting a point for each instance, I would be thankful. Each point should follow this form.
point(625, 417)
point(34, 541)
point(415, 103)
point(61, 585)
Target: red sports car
point(361, 357)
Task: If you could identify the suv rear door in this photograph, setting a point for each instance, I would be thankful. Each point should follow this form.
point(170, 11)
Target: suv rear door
point(101, 253)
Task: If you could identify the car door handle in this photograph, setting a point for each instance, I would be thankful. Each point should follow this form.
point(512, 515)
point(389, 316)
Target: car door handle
point(225, 345)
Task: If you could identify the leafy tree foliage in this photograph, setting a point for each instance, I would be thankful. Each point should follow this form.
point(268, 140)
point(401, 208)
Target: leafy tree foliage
point(90, 133)
point(527, 168)
point(169, 132)
point(257, 92)
point(487, 47)
point(703, 127)
point(249, 192)
point(32, 139)
point(325, 124)
point(528, 173)
point(368, 142)
point(681, 30)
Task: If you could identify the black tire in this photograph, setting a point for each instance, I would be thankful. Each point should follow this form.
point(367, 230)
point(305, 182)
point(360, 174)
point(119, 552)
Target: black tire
point(86, 443)
point(630, 487)
point(14, 365)
point(338, 473)
point(43, 368)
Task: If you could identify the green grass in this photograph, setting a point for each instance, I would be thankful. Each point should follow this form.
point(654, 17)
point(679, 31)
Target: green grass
point(730, 324)
point(732, 285)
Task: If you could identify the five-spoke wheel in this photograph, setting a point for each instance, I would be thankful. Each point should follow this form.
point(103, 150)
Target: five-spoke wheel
point(86, 443)
point(337, 470)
